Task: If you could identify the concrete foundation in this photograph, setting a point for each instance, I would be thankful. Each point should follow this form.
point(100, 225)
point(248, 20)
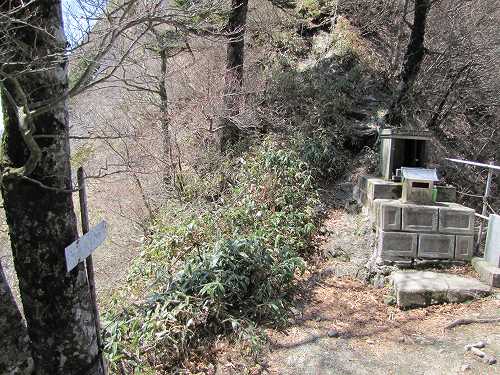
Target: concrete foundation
point(436, 246)
point(464, 247)
point(397, 245)
point(488, 273)
point(417, 289)
point(409, 232)
point(456, 219)
point(417, 218)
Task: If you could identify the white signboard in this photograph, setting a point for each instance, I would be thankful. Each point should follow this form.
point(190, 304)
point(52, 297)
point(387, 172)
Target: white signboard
point(492, 250)
point(85, 245)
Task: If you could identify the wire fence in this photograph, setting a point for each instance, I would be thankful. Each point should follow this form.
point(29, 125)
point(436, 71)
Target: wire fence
point(492, 168)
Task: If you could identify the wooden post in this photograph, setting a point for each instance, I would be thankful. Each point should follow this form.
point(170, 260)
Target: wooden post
point(485, 203)
point(89, 263)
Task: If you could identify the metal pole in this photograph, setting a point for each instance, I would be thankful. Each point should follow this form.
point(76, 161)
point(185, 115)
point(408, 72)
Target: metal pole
point(485, 204)
point(84, 213)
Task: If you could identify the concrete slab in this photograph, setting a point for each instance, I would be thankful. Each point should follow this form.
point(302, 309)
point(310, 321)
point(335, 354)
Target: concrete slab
point(456, 219)
point(397, 245)
point(464, 246)
point(436, 246)
point(492, 249)
point(423, 288)
point(488, 273)
point(418, 218)
point(390, 215)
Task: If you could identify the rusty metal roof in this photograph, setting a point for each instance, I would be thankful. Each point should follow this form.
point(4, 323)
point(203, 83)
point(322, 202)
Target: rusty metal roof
point(422, 174)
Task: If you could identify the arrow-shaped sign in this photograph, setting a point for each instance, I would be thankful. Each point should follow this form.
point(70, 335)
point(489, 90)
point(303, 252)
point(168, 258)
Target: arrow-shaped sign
point(79, 250)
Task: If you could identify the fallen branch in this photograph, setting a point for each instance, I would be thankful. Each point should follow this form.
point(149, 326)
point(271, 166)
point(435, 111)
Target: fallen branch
point(460, 322)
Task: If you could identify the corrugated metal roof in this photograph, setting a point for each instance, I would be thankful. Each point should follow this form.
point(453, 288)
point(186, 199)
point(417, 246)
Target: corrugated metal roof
point(419, 174)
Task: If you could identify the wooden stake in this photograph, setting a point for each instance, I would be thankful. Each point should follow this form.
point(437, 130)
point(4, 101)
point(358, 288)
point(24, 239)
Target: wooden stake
point(89, 263)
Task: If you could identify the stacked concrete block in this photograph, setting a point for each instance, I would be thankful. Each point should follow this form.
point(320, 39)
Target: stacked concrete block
point(408, 231)
point(464, 247)
point(456, 219)
point(390, 217)
point(446, 193)
point(436, 246)
point(397, 245)
point(374, 211)
point(417, 218)
point(377, 188)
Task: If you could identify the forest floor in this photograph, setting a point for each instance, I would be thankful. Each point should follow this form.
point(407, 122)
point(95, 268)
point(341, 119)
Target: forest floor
point(343, 325)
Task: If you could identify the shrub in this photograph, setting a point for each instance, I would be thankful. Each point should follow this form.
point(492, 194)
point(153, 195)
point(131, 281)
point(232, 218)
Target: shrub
point(232, 265)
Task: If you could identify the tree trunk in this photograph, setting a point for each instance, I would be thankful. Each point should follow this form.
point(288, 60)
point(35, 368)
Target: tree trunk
point(169, 169)
point(39, 208)
point(233, 79)
point(411, 66)
point(396, 51)
point(497, 162)
point(15, 357)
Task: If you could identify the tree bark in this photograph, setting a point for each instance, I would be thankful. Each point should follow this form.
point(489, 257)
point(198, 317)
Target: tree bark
point(233, 80)
point(169, 170)
point(15, 357)
point(411, 65)
point(39, 208)
point(396, 52)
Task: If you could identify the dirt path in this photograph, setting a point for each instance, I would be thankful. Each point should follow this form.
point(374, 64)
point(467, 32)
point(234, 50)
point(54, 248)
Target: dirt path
point(345, 327)
point(374, 338)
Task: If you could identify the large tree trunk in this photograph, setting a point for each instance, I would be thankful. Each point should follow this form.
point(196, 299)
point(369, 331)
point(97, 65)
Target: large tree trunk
point(15, 357)
point(411, 66)
point(233, 79)
point(39, 208)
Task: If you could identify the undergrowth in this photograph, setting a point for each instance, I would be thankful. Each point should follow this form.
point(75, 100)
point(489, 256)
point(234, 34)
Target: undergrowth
point(220, 272)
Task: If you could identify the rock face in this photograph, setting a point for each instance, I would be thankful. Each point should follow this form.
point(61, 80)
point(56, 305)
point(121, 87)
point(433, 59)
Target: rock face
point(423, 288)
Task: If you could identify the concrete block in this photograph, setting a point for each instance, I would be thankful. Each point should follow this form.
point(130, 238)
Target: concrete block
point(464, 246)
point(436, 246)
point(446, 193)
point(488, 273)
point(360, 190)
point(417, 194)
point(423, 288)
point(389, 217)
point(375, 211)
point(397, 245)
point(417, 218)
point(456, 219)
point(363, 182)
point(492, 249)
point(382, 189)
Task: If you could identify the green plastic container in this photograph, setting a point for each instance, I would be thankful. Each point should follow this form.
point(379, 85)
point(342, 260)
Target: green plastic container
point(434, 194)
